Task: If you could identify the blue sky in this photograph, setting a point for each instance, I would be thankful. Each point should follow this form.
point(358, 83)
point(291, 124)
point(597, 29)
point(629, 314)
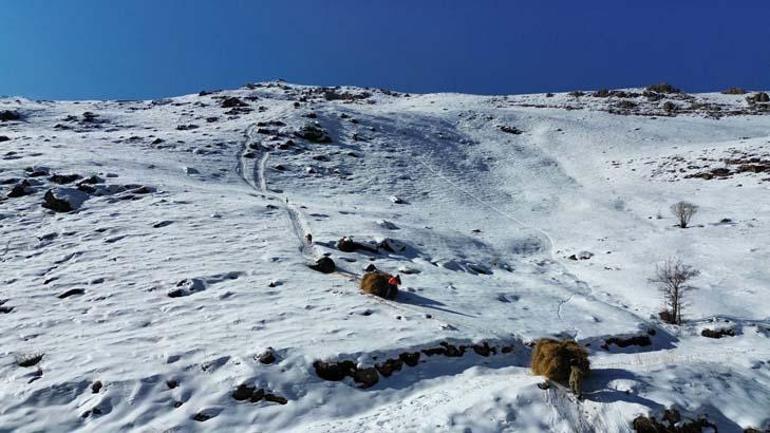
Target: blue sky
point(124, 49)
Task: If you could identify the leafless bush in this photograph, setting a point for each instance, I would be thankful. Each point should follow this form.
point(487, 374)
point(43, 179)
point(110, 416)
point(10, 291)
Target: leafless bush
point(683, 211)
point(672, 277)
point(663, 88)
point(734, 91)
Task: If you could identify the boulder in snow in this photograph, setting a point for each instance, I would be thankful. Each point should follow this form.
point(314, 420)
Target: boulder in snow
point(64, 199)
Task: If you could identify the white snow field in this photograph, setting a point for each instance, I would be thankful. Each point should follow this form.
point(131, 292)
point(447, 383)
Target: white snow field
point(166, 286)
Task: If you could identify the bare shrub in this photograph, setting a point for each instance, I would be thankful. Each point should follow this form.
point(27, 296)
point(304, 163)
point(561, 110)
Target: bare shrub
point(683, 211)
point(663, 88)
point(672, 277)
point(734, 91)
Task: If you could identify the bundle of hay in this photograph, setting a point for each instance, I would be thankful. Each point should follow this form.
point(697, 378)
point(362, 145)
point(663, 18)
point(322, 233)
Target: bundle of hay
point(376, 283)
point(553, 359)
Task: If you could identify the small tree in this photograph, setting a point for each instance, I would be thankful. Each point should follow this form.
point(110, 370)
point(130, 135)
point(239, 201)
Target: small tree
point(672, 277)
point(683, 211)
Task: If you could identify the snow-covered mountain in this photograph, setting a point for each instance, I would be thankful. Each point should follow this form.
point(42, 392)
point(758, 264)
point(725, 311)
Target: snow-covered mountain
point(155, 260)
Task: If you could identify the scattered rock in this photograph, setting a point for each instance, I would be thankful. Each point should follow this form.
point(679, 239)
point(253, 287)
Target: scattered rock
point(275, 398)
point(334, 371)
point(187, 287)
point(510, 129)
point(243, 392)
point(313, 133)
point(366, 377)
point(232, 102)
point(21, 189)
point(71, 292)
point(96, 387)
point(324, 265)
point(28, 360)
point(637, 340)
point(390, 366)
point(64, 178)
point(718, 333)
point(410, 358)
point(7, 115)
point(64, 199)
point(206, 414)
point(267, 357)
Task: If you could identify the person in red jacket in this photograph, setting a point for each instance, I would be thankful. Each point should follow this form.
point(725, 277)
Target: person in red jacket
point(393, 283)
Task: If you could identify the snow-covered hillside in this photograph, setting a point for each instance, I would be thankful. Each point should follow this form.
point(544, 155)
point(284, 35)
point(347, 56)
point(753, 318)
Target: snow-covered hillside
point(154, 260)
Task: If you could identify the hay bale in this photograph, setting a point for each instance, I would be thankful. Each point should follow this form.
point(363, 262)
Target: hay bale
point(551, 358)
point(376, 283)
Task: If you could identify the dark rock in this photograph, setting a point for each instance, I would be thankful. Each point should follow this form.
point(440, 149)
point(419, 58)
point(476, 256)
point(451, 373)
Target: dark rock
point(64, 178)
point(3, 138)
point(390, 366)
point(637, 340)
point(761, 97)
point(276, 398)
point(64, 199)
point(718, 333)
point(96, 387)
point(21, 189)
point(203, 416)
point(366, 377)
point(313, 133)
point(71, 292)
point(410, 358)
point(257, 395)
point(334, 371)
point(482, 349)
point(324, 265)
point(92, 180)
point(172, 383)
point(233, 102)
point(187, 287)
point(453, 351)
point(267, 357)
point(243, 392)
point(29, 360)
point(7, 115)
point(511, 130)
point(348, 245)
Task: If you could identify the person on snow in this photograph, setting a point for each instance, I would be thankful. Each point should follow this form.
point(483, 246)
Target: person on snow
point(393, 283)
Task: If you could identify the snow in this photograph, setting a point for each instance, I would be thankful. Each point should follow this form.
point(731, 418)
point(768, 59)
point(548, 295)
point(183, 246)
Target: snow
point(480, 220)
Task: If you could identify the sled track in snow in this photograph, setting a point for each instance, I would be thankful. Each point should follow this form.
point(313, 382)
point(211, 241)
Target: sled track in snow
point(258, 182)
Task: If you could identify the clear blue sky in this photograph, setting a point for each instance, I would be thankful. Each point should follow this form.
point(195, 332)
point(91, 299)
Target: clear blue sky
point(78, 49)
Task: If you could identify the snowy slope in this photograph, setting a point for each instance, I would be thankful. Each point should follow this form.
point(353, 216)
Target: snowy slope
point(187, 260)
